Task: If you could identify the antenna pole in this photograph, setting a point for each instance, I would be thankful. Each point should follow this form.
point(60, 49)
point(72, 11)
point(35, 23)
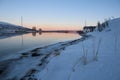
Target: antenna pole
point(21, 21)
point(85, 22)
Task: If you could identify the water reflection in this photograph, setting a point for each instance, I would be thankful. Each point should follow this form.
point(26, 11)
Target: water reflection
point(7, 35)
point(40, 33)
point(17, 43)
point(34, 33)
point(22, 40)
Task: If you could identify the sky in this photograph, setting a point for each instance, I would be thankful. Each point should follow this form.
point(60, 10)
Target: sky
point(58, 14)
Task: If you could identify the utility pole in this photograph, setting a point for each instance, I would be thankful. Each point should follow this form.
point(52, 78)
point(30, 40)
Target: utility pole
point(21, 21)
point(85, 23)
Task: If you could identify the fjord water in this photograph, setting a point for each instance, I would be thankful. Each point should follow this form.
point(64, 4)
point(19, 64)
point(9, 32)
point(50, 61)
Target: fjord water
point(12, 45)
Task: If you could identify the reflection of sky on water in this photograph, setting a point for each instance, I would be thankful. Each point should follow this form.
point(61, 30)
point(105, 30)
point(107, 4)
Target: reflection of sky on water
point(17, 43)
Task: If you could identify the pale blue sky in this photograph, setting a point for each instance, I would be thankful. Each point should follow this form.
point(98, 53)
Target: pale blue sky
point(60, 13)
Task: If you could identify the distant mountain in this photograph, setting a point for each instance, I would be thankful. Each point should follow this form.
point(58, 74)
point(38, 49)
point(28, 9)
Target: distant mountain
point(6, 27)
point(9, 25)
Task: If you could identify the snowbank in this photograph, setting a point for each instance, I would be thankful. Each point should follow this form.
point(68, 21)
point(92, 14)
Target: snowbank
point(96, 58)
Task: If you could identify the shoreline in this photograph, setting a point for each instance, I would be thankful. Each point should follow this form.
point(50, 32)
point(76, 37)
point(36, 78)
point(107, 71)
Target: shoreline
point(40, 57)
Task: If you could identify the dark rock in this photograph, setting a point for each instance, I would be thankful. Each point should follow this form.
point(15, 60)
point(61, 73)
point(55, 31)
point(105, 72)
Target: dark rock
point(34, 54)
point(25, 53)
point(40, 64)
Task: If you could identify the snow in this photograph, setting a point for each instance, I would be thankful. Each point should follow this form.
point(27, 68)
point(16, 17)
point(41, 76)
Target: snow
point(8, 25)
point(95, 57)
point(69, 64)
point(17, 66)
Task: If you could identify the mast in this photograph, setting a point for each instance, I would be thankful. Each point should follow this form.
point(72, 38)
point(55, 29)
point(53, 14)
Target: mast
point(22, 26)
point(85, 22)
point(21, 21)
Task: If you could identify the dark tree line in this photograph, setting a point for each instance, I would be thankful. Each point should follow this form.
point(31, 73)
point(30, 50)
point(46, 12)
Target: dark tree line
point(102, 26)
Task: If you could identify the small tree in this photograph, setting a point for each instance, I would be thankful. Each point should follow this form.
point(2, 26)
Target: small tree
point(99, 26)
point(40, 29)
point(107, 24)
point(34, 28)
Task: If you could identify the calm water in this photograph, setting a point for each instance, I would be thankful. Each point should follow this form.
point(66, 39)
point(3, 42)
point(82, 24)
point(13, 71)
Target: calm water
point(15, 44)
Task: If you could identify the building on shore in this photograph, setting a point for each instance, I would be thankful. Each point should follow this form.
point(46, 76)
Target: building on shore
point(87, 29)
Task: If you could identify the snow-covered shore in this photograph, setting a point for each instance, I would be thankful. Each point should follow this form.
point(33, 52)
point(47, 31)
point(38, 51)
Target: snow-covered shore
point(94, 57)
point(31, 61)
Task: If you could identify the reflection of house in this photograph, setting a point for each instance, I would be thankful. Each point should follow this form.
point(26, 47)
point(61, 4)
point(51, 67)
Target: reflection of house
point(88, 28)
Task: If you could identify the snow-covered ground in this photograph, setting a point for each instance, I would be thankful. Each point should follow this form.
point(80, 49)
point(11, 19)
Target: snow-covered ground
point(96, 58)
point(90, 58)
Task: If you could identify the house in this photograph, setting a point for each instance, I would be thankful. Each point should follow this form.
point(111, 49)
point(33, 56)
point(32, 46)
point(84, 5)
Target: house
point(87, 29)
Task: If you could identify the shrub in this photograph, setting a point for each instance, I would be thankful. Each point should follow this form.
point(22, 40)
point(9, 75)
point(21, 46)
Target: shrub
point(84, 57)
point(56, 53)
point(95, 58)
